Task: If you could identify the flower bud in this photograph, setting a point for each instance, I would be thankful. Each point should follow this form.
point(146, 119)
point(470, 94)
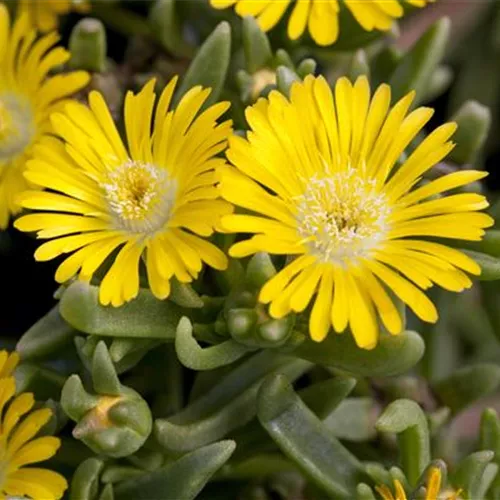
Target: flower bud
point(115, 426)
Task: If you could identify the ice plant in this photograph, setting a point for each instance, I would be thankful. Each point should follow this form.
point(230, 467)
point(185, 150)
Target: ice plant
point(320, 17)
point(155, 199)
point(322, 174)
point(18, 426)
point(27, 98)
point(433, 489)
point(44, 14)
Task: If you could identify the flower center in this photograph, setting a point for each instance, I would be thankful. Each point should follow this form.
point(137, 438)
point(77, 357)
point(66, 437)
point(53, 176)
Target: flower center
point(140, 196)
point(342, 216)
point(17, 127)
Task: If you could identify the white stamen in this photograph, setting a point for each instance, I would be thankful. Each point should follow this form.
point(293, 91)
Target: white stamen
point(140, 196)
point(342, 216)
point(17, 126)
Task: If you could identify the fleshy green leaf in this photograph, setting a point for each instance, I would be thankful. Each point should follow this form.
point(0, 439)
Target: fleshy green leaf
point(474, 121)
point(490, 266)
point(192, 356)
point(229, 405)
point(182, 479)
point(88, 46)
point(469, 473)
point(104, 374)
point(256, 46)
point(210, 65)
point(48, 335)
point(405, 418)
point(285, 77)
point(305, 440)
point(167, 28)
point(145, 316)
point(467, 385)
point(85, 480)
point(353, 420)
point(393, 354)
point(419, 63)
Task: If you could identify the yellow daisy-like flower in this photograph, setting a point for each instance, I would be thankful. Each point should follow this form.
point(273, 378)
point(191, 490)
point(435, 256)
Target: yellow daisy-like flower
point(433, 489)
point(155, 199)
point(18, 427)
point(320, 17)
point(44, 14)
point(27, 98)
point(322, 174)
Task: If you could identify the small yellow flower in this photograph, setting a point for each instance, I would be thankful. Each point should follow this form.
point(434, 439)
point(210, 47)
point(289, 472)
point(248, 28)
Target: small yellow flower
point(321, 174)
point(320, 17)
point(27, 98)
point(433, 489)
point(156, 199)
point(18, 427)
point(44, 14)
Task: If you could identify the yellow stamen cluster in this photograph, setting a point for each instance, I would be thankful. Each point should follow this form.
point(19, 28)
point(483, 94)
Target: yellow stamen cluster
point(140, 196)
point(342, 216)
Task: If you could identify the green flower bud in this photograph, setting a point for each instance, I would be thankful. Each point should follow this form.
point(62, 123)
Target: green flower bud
point(115, 426)
point(115, 421)
point(241, 322)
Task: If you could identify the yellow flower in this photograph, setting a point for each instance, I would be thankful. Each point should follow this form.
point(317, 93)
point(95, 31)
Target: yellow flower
point(320, 17)
point(154, 199)
point(18, 427)
point(433, 489)
point(321, 173)
point(27, 98)
point(44, 14)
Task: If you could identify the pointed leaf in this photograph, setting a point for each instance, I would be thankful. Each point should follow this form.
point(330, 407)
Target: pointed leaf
point(256, 46)
point(209, 67)
point(104, 374)
point(419, 63)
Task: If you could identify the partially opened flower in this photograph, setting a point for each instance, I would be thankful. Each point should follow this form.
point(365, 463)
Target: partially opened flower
point(433, 489)
point(155, 198)
point(321, 173)
point(320, 17)
point(44, 14)
point(28, 95)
